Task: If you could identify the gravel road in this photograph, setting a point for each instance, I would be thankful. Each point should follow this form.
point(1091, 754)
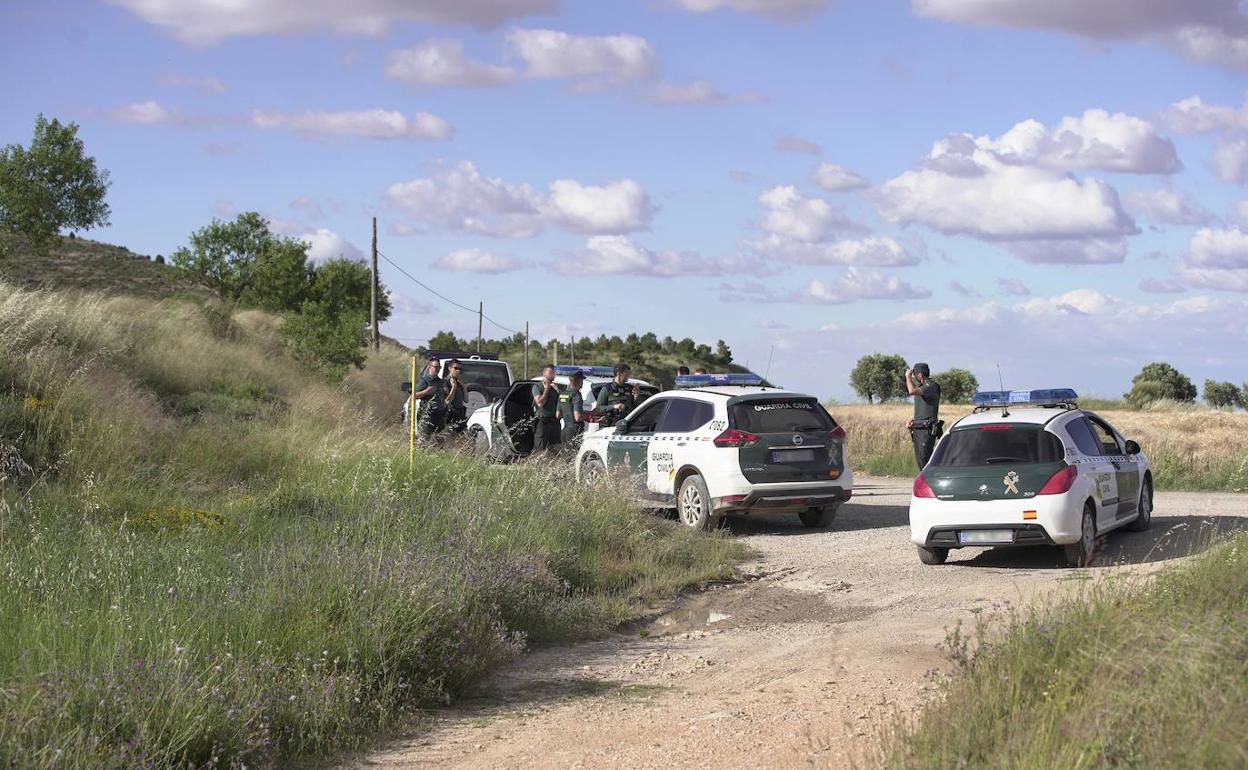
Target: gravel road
point(800, 665)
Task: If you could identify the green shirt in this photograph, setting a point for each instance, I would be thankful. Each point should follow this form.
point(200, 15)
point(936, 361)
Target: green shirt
point(571, 402)
point(550, 409)
point(927, 403)
point(456, 403)
point(615, 393)
point(433, 399)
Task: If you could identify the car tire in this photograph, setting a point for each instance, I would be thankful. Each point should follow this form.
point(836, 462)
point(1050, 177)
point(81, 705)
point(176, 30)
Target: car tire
point(592, 471)
point(1080, 554)
point(819, 518)
point(480, 443)
point(932, 556)
point(1145, 517)
point(693, 504)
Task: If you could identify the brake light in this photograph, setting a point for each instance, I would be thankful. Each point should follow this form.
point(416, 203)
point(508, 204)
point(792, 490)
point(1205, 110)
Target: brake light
point(995, 426)
point(838, 432)
point(735, 438)
point(922, 488)
point(1060, 483)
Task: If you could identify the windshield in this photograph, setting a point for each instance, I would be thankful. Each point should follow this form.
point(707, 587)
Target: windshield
point(781, 415)
point(994, 444)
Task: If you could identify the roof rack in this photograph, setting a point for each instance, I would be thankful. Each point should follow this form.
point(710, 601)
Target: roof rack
point(704, 380)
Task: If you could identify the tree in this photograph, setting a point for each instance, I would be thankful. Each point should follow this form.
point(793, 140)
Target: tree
point(325, 340)
point(280, 278)
point(879, 375)
point(238, 258)
point(345, 285)
point(446, 341)
point(723, 352)
point(1160, 380)
point(51, 186)
point(956, 385)
point(1222, 395)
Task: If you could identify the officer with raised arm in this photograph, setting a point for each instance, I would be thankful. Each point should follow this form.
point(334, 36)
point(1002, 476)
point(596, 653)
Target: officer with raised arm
point(456, 409)
point(572, 410)
point(925, 426)
point(429, 391)
point(546, 413)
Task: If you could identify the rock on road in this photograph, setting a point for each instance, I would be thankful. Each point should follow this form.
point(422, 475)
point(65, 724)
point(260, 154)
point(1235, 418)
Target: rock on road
point(834, 632)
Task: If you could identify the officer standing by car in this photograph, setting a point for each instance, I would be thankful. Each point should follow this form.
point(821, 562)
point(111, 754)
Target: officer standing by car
point(618, 396)
point(572, 411)
point(925, 426)
point(456, 409)
point(429, 391)
point(546, 412)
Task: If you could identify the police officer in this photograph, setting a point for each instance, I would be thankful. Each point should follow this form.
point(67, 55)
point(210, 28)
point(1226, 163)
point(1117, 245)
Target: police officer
point(925, 426)
point(545, 412)
point(572, 410)
point(429, 390)
point(618, 397)
point(456, 410)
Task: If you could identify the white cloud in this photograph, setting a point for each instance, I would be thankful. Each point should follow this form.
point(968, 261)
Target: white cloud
point(1013, 287)
point(874, 251)
point(460, 198)
point(1217, 259)
point(374, 124)
point(1209, 31)
point(146, 113)
point(1229, 160)
point(208, 85)
point(834, 178)
point(326, 244)
point(550, 53)
point(1194, 115)
point(700, 92)
point(403, 303)
point(618, 255)
point(209, 21)
point(852, 285)
point(794, 143)
point(617, 207)
point(790, 214)
point(1094, 140)
point(477, 261)
point(1082, 251)
point(442, 63)
point(1161, 285)
point(966, 187)
point(784, 10)
point(1167, 207)
point(1239, 212)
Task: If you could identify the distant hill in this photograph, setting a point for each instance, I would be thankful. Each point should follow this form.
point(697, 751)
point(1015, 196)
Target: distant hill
point(83, 264)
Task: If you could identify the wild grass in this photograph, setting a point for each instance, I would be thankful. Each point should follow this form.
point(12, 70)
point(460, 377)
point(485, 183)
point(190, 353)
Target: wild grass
point(221, 561)
point(1189, 447)
point(1146, 675)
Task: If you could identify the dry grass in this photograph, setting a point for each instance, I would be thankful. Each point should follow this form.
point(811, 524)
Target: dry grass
point(1190, 447)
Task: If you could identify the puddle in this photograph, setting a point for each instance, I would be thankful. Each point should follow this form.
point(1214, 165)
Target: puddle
point(751, 605)
point(687, 619)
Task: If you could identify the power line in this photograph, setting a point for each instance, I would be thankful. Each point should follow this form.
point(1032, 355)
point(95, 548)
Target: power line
point(443, 297)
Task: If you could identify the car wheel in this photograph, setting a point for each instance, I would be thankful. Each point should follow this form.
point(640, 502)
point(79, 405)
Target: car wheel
point(819, 518)
point(1145, 516)
point(480, 443)
point(1080, 554)
point(932, 555)
point(693, 504)
point(592, 471)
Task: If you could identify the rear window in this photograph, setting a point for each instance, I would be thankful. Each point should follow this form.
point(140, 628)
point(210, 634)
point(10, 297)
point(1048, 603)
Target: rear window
point(993, 444)
point(485, 375)
point(780, 416)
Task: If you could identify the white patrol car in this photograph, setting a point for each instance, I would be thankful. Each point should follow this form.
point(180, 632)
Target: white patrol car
point(1029, 468)
point(485, 378)
point(503, 430)
point(723, 443)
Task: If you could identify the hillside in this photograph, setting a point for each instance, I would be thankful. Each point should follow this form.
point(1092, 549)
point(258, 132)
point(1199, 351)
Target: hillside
point(215, 558)
point(87, 265)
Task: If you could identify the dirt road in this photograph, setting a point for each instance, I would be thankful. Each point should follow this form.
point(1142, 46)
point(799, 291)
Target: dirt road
point(797, 667)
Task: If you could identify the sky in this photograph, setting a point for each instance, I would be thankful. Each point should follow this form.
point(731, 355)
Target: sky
point(1055, 189)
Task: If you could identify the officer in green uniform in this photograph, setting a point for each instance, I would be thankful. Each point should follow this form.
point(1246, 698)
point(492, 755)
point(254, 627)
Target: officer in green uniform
point(925, 427)
point(456, 410)
point(619, 398)
point(572, 411)
point(429, 390)
point(546, 412)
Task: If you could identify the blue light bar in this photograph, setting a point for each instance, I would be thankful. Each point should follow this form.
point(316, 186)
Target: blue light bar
point(567, 370)
point(705, 380)
point(1046, 397)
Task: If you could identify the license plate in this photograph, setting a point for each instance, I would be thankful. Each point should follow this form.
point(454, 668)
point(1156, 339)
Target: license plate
point(986, 536)
point(793, 456)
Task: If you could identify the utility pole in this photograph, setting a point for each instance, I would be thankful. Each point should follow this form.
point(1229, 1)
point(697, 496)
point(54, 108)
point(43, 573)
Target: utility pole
point(526, 350)
point(556, 341)
point(572, 347)
point(373, 293)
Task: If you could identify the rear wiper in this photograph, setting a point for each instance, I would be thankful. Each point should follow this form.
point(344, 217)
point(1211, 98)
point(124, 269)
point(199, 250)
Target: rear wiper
point(995, 460)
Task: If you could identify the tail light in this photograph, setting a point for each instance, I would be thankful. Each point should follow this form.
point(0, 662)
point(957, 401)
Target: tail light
point(1060, 483)
point(922, 488)
point(838, 433)
point(735, 438)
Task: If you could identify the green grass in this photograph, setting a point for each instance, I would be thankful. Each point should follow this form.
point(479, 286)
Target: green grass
point(221, 561)
point(1140, 675)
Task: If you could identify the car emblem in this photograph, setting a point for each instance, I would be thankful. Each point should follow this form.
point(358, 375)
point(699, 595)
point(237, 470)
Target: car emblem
point(1011, 481)
point(983, 489)
point(798, 440)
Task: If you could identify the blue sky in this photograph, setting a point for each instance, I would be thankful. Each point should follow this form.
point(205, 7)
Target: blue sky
point(1056, 188)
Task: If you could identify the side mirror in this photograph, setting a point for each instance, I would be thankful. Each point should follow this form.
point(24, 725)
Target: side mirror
point(406, 387)
point(1132, 447)
point(621, 427)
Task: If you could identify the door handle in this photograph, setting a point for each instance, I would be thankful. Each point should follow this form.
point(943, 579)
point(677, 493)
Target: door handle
point(680, 443)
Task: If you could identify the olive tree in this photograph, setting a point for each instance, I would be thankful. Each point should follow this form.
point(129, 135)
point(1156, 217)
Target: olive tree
point(879, 376)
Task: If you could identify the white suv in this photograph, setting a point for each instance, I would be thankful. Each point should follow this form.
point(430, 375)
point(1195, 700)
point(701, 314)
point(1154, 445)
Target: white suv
point(724, 443)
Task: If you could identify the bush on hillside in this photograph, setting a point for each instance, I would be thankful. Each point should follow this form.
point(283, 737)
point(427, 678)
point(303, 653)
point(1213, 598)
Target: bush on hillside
point(325, 339)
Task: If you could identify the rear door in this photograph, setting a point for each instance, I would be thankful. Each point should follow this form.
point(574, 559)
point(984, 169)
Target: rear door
point(794, 441)
point(1098, 466)
point(994, 461)
point(671, 444)
point(1126, 469)
point(628, 450)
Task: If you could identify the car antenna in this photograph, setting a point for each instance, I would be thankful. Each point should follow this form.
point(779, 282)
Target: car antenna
point(1005, 409)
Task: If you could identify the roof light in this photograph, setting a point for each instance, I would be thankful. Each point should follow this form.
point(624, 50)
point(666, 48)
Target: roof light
point(1046, 397)
point(568, 370)
point(704, 380)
